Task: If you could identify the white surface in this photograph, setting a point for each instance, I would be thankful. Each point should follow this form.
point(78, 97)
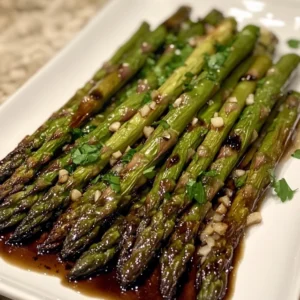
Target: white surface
point(270, 269)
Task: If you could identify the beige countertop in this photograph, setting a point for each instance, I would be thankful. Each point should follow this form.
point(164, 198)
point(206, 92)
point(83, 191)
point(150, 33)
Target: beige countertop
point(32, 31)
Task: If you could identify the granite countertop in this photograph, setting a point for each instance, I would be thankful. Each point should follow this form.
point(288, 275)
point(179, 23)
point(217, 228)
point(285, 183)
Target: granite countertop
point(31, 32)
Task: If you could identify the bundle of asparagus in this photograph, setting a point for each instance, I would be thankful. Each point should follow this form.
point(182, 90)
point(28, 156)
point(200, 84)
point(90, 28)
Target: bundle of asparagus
point(144, 150)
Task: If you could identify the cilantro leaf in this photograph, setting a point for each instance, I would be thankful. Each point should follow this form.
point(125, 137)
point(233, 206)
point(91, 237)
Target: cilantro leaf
point(76, 133)
point(150, 172)
point(85, 154)
point(240, 181)
point(163, 123)
point(127, 157)
point(293, 43)
point(195, 191)
point(113, 181)
point(147, 98)
point(296, 154)
point(281, 188)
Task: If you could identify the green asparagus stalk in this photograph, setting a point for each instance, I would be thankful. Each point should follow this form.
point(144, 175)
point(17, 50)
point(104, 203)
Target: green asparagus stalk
point(88, 106)
point(15, 158)
point(246, 160)
point(100, 253)
point(128, 134)
point(183, 240)
point(162, 139)
point(15, 202)
point(212, 142)
point(67, 220)
point(166, 179)
point(163, 222)
point(217, 265)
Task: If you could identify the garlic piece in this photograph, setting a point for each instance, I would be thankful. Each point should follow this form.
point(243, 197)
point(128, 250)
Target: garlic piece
point(254, 218)
point(250, 99)
point(114, 126)
point(97, 195)
point(239, 173)
point(177, 102)
point(147, 131)
point(220, 228)
point(117, 154)
point(222, 209)
point(217, 122)
point(144, 111)
point(63, 176)
point(232, 100)
point(194, 121)
point(225, 200)
point(75, 195)
point(204, 251)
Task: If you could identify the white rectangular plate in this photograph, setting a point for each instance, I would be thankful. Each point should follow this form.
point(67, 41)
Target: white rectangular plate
point(270, 268)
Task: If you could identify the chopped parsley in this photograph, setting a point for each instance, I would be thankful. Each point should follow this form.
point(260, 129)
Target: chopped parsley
point(113, 181)
point(214, 62)
point(150, 172)
point(163, 123)
point(195, 191)
point(147, 98)
point(85, 154)
point(281, 188)
point(296, 154)
point(240, 181)
point(127, 157)
point(293, 43)
point(77, 132)
point(96, 179)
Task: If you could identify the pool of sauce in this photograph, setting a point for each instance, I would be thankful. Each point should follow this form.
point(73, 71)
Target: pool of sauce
point(104, 285)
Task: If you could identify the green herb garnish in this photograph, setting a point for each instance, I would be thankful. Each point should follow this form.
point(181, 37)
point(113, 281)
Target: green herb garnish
point(293, 43)
point(281, 188)
point(163, 123)
point(296, 154)
point(85, 154)
point(195, 191)
point(147, 98)
point(127, 157)
point(113, 181)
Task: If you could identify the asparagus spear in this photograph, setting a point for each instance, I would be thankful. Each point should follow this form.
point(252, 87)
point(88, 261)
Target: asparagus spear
point(213, 140)
point(15, 158)
point(14, 203)
point(181, 247)
point(162, 139)
point(216, 267)
point(166, 179)
point(88, 106)
point(100, 253)
point(128, 134)
point(163, 222)
point(244, 163)
point(67, 220)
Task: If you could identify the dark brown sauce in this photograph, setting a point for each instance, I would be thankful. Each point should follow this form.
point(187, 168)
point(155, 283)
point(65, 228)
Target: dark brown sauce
point(104, 285)
point(237, 258)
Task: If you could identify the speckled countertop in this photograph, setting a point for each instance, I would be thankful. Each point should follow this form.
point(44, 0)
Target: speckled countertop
point(32, 31)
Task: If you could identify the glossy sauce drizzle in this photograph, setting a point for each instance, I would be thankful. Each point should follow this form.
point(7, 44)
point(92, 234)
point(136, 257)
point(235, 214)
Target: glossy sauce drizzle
point(105, 285)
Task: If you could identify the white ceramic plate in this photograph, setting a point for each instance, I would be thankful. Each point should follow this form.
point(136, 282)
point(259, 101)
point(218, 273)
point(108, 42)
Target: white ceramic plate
point(270, 268)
